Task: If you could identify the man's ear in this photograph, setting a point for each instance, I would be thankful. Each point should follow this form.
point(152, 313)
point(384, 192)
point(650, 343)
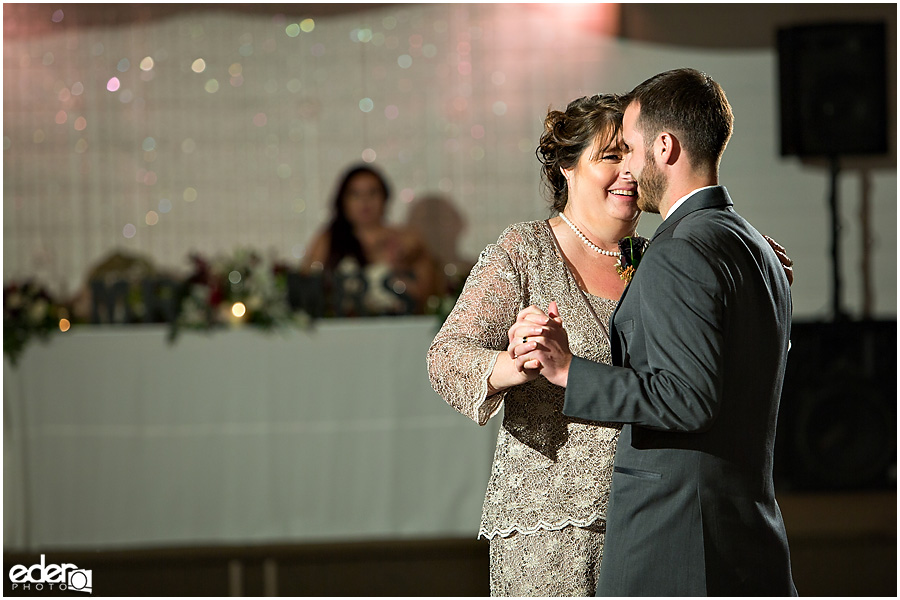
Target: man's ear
point(667, 148)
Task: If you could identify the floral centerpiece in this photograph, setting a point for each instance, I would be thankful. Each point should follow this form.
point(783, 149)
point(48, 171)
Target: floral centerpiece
point(29, 311)
point(241, 288)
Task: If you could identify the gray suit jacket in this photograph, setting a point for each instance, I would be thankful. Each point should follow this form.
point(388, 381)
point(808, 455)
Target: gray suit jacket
point(700, 341)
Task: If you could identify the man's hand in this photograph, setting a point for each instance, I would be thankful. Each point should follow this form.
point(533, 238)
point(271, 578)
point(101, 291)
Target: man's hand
point(538, 341)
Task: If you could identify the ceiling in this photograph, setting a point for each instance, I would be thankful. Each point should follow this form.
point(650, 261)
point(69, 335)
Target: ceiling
point(703, 25)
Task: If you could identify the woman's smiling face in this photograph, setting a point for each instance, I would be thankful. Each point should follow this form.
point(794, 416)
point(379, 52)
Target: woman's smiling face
point(599, 178)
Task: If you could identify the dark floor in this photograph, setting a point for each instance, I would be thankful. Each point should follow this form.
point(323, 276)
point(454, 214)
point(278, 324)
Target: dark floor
point(841, 545)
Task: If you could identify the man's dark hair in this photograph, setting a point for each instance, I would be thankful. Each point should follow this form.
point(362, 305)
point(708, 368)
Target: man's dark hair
point(690, 105)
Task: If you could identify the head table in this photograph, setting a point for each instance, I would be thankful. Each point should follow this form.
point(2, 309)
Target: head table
point(116, 438)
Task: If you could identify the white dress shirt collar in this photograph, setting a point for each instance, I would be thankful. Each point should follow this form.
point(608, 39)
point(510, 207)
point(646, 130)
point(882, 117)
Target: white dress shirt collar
point(684, 198)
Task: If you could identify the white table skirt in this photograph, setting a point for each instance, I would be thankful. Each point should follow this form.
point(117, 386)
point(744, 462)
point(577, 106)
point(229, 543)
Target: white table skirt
point(115, 438)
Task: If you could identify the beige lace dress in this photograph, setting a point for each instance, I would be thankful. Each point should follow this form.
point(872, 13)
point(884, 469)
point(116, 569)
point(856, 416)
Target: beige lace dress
point(544, 510)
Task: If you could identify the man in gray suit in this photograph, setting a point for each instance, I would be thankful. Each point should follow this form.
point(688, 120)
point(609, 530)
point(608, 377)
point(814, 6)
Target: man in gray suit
point(700, 340)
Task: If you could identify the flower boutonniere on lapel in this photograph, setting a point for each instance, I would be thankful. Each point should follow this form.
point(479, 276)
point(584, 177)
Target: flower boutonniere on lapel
point(632, 249)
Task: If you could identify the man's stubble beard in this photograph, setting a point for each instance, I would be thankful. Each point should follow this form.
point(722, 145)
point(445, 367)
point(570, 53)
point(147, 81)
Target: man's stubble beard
point(652, 187)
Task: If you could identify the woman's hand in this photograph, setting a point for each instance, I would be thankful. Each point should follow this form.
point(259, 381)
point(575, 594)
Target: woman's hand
point(506, 373)
point(786, 263)
point(538, 341)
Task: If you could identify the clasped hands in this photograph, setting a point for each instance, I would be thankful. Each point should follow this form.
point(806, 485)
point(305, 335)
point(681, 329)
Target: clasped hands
point(538, 344)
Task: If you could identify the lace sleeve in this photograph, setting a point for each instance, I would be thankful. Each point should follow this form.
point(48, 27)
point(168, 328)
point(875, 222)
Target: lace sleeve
point(463, 353)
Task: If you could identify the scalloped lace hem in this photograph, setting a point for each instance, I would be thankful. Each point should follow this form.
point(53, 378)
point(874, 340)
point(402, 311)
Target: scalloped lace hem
point(541, 526)
point(497, 399)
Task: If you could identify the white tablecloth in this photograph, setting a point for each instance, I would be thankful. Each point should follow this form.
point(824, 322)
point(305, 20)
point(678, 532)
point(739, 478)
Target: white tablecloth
point(115, 438)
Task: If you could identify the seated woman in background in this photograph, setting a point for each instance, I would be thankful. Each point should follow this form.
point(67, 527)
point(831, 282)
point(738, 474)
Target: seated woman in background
point(369, 267)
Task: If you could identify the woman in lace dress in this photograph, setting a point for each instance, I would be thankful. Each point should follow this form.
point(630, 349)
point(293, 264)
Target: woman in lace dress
point(545, 504)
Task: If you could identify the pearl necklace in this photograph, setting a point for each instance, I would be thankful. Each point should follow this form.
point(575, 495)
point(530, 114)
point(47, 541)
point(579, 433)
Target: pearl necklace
point(588, 242)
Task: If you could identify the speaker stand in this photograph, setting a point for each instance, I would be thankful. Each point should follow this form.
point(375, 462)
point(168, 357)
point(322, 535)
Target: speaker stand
point(837, 312)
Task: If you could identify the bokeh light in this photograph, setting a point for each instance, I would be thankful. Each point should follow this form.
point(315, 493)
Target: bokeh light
point(146, 63)
point(190, 194)
point(80, 124)
point(212, 86)
point(369, 155)
point(307, 25)
point(234, 277)
point(113, 84)
point(165, 205)
point(58, 16)
point(129, 230)
point(123, 65)
point(292, 30)
point(64, 325)
point(61, 117)
point(152, 218)
point(238, 309)
point(198, 66)
point(366, 105)
point(391, 112)
point(405, 61)
point(149, 144)
point(499, 108)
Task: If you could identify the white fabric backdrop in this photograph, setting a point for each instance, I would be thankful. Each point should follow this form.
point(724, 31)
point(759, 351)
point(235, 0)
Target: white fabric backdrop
point(246, 152)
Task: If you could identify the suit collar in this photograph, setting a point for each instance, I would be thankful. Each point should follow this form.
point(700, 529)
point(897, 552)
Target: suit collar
point(714, 197)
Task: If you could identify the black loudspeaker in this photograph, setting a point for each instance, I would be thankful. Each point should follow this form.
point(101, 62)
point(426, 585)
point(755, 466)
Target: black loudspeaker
point(833, 86)
point(837, 426)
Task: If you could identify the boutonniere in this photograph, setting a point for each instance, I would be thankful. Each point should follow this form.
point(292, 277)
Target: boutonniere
point(631, 249)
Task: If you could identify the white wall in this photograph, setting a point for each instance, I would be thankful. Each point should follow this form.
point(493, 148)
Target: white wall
point(467, 115)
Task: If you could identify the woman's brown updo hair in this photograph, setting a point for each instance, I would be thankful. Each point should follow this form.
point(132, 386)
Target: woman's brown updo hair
point(567, 134)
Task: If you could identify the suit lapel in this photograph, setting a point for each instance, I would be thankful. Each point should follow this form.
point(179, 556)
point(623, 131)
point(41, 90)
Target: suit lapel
point(716, 197)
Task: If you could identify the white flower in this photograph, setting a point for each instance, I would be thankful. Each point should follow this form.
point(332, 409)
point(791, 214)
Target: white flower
point(38, 311)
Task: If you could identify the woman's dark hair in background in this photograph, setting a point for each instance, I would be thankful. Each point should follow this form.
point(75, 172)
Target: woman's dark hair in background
point(342, 240)
point(567, 134)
